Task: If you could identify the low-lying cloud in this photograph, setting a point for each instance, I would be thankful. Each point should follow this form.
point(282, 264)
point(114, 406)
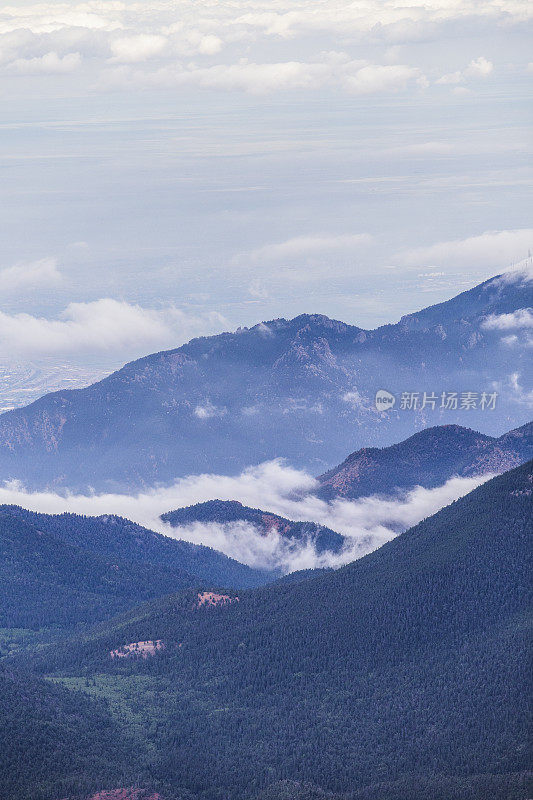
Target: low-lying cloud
point(30, 275)
point(99, 325)
point(305, 247)
point(489, 250)
point(272, 486)
point(521, 318)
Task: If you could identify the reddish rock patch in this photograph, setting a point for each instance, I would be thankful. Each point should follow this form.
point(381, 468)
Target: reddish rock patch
point(126, 794)
point(138, 649)
point(213, 599)
point(273, 523)
point(130, 793)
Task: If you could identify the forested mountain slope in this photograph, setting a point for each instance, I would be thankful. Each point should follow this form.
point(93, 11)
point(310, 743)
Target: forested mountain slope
point(228, 511)
point(54, 742)
point(47, 582)
point(111, 537)
point(408, 668)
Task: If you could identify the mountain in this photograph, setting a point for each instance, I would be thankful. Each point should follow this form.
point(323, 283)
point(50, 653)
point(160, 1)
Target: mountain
point(53, 741)
point(48, 582)
point(228, 511)
point(302, 389)
point(404, 675)
point(62, 570)
point(428, 458)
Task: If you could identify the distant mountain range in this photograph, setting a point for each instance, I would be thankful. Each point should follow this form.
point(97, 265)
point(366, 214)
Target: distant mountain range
point(402, 676)
point(302, 389)
point(67, 569)
point(227, 511)
point(428, 459)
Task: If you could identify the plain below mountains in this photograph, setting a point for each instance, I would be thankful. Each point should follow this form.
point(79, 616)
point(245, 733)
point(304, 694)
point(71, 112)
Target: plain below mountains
point(302, 389)
point(402, 675)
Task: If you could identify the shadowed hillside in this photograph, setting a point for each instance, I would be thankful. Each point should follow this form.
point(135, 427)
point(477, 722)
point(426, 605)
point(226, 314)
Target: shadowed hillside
point(408, 668)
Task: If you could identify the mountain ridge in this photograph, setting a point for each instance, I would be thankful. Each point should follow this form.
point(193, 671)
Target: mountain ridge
point(428, 458)
point(301, 389)
point(111, 536)
point(320, 537)
point(365, 675)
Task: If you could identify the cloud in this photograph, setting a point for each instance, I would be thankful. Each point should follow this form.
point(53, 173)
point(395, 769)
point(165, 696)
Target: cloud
point(333, 70)
point(491, 249)
point(42, 273)
point(104, 324)
point(378, 78)
point(241, 76)
point(478, 68)
point(522, 395)
point(209, 411)
point(129, 49)
point(273, 486)
point(355, 399)
point(304, 247)
point(48, 64)
point(522, 318)
point(136, 33)
point(451, 78)
point(522, 273)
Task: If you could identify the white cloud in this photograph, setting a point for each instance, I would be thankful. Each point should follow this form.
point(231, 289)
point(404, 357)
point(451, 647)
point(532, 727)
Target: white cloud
point(209, 45)
point(521, 273)
point(451, 78)
point(303, 247)
point(478, 68)
point(136, 32)
point(48, 64)
point(491, 249)
point(241, 76)
point(522, 318)
point(273, 30)
point(104, 324)
point(521, 394)
point(355, 399)
point(273, 486)
point(334, 70)
point(129, 49)
point(378, 78)
point(42, 273)
point(209, 411)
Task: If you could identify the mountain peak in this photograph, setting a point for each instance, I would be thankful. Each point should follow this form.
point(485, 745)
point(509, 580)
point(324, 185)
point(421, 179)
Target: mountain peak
point(297, 389)
point(427, 458)
point(265, 522)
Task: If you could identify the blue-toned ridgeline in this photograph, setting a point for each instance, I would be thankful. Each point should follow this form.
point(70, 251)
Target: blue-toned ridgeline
point(302, 389)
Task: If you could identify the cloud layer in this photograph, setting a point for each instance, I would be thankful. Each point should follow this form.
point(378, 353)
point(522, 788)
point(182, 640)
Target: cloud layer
point(489, 249)
point(99, 325)
point(273, 486)
point(207, 45)
point(35, 274)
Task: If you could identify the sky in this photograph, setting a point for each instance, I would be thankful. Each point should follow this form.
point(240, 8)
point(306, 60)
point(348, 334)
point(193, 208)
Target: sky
point(173, 169)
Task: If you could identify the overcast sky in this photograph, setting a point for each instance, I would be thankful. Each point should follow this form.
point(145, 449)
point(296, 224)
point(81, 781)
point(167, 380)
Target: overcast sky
point(172, 169)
